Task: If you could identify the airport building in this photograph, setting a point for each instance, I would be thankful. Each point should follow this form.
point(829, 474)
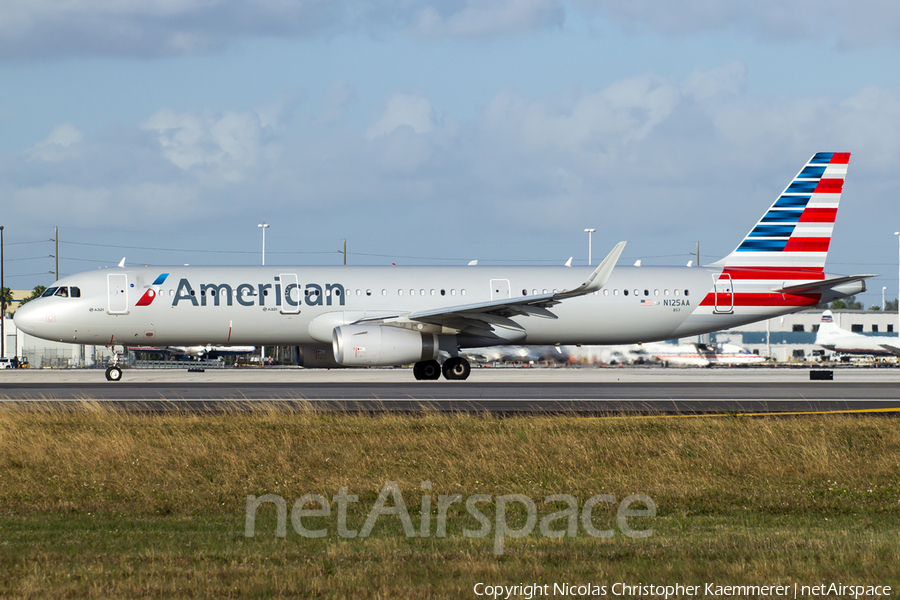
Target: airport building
point(792, 337)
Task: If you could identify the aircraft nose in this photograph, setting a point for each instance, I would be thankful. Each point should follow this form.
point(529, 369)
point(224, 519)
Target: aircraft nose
point(37, 318)
point(26, 317)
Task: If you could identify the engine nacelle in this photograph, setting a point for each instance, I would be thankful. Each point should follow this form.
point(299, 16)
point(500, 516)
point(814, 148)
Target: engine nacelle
point(315, 357)
point(379, 346)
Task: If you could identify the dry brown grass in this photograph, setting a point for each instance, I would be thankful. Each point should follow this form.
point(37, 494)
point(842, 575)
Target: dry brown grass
point(95, 458)
point(130, 504)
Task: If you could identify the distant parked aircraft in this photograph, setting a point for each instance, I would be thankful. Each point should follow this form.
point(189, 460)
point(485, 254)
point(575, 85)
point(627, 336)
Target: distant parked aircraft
point(831, 337)
point(703, 355)
point(201, 352)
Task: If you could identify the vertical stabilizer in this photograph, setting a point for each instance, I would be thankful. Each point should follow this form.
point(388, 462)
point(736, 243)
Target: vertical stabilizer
point(828, 329)
point(796, 230)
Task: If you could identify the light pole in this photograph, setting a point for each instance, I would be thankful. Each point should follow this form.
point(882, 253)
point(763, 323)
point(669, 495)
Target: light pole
point(590, 232)
point(897, 233)
point(264, 226)
point(2, 302)
point(882, 297)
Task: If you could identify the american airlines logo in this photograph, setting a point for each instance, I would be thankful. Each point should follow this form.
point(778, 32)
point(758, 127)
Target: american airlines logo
point(150, 294)
point(248, 294)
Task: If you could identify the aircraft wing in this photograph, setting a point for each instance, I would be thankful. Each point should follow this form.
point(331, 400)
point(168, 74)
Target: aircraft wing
point(892, 347)
point(483, 317)
point(826, 284)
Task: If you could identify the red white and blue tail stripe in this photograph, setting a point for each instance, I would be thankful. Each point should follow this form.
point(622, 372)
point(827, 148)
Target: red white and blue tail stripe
point(788, 245)
point(796, 230)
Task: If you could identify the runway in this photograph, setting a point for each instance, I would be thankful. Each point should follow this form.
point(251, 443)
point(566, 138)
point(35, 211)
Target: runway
point(502, 391)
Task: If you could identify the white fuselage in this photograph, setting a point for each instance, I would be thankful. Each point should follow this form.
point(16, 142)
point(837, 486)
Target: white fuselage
point(302, 305)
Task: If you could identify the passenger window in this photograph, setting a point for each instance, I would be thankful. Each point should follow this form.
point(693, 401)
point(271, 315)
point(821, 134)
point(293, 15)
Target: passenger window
point(399, 292)
point(687, 292)
point(625, 292)
point(646, 292)
point(656, 292)
point(412, 292)
point(637, 292)
point(421, 292)
point(368, 292)
point(443, 292)
point(524, 292)
point(615, 292)
point(677, 292)
point(666, 292)
point(606, 292)
point(384, 292)
point(462, 292)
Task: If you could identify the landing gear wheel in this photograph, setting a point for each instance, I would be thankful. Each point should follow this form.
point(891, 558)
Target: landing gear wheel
point(456, 368)
point(427, 369)
point(113, 374)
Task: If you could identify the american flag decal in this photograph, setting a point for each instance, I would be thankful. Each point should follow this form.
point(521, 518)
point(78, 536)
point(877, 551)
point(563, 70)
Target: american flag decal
point(647, 302)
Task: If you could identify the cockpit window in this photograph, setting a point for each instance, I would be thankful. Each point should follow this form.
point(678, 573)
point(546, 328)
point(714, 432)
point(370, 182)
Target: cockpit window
point(74, 292)
point(49, 292)
point(62, 292)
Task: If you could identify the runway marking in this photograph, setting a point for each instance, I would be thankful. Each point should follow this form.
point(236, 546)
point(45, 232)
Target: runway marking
point(760, 414)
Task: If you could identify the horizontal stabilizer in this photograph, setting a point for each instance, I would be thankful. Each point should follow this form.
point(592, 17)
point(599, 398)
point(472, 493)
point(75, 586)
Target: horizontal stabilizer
point(826, 284)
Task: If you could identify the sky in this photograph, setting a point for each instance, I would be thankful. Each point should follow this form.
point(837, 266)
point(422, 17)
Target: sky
point(166, 131)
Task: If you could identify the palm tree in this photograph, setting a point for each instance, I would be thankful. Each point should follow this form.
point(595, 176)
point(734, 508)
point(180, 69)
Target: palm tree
point(6, 297)
point(35, 293)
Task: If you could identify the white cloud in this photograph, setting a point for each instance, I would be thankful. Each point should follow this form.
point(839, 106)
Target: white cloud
point(656, 161)
point(58, 145)
point(586, 121)
point(410, 110)
point(849, 24)
point(482, 18)
point(223, 147)
point(86, 205)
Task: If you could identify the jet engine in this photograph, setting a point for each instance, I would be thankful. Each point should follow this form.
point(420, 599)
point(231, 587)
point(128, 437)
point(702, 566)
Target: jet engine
point(376, 345)
point(315, 357)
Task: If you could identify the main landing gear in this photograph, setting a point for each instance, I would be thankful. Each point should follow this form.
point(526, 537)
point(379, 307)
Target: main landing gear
point(455, 368)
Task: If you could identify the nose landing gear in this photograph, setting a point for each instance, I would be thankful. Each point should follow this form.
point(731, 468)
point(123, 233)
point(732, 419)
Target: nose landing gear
point(114, 371)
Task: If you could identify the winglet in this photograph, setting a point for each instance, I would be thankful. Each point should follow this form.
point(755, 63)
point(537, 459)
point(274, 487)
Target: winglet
point(122, 262)
point(599, 277)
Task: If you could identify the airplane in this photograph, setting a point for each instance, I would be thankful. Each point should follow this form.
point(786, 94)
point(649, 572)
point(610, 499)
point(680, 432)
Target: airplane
point(207, 352)
point(517, 354)
point(703, 355)
point(695, 355)
point(831, 337)
point(347, 316)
